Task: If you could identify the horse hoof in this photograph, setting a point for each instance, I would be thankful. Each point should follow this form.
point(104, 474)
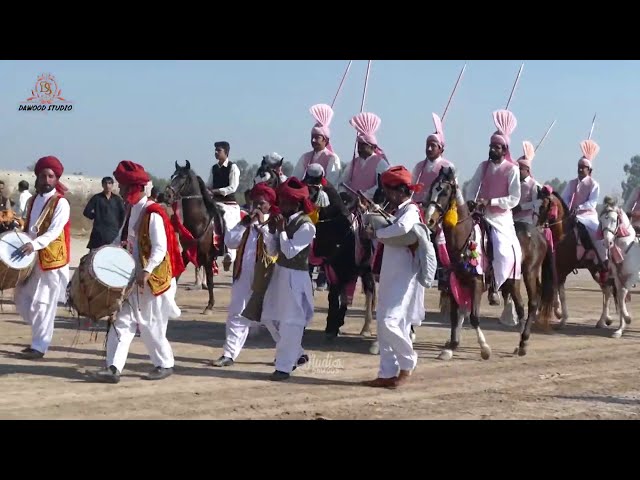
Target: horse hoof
point(207, 311)
point(627, 320)
point(522, 351)
point(446, 354)
point(365, 332)
point(517, 349)
point(558, 314)
point(485, 352)
point(374, 349)
point(616, 334)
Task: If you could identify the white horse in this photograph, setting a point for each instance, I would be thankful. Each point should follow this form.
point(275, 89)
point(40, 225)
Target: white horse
point(624, 255)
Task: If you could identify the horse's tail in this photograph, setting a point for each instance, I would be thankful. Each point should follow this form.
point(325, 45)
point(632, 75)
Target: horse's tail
point(549, 287)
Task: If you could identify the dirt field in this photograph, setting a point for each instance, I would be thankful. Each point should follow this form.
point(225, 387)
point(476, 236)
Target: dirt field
point(578, 373)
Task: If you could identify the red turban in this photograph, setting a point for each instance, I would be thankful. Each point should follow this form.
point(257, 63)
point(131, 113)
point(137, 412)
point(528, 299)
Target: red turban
point(130, 173)
point(54, 164)
point(293, 189)
point(396, 176)
point(262, 189)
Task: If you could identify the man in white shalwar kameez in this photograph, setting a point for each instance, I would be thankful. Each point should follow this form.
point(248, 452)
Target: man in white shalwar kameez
point(400, 294)
point(496, 183)
point(248, 238)
point(581, 196)
point(154, 246)
point(288, 302)
point(48, 225)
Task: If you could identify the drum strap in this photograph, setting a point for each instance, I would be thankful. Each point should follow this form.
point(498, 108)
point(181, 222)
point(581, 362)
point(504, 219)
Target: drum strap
point(50, 205)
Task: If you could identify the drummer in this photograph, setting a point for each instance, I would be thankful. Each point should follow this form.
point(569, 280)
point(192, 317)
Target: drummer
point(154, 245)
point(37, 299)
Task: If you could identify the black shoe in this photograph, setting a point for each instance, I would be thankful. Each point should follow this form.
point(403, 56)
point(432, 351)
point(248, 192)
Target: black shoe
point(302, 360)
point(159, 373)
point(31, 354)
point(278, 376)
point(222, 362)
point(108, 375)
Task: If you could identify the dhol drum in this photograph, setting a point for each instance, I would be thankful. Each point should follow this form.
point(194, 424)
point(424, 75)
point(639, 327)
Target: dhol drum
point(377, 221)
point(14, 271)
point(103, 280)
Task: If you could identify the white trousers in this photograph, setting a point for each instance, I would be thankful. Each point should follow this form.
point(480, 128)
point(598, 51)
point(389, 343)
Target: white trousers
point(231, 215)
point(288, 340)
point(396, 347)
point(42, 318)
point(153, 333)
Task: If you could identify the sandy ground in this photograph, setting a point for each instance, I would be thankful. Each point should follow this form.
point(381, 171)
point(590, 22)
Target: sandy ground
point(577, 373)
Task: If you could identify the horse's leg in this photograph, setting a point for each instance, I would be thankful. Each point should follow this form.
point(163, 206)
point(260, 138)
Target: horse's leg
point(456, 317)
point(208, 269)
point(332, 328)
point(369, 286)
point(532, 285)
point(563, 305)
point(508, 317)
point(625, 318)
point(607, 296)
point(485, 349)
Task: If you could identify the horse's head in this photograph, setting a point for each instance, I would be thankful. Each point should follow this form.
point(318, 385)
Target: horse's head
point(184, 182)
point(441, 195)
point(609, 221)
point(551, 207)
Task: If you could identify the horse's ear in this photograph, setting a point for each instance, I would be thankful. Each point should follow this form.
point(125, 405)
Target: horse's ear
point(188, 165)
point(177, 167)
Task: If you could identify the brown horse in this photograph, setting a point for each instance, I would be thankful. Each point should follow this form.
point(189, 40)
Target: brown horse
point(554, 214)
point(202, 217)
point(537, 266)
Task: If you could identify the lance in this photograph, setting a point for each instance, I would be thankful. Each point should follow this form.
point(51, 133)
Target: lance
point(593, 124)
point(341, 83)
point(364, 96)
point(545, 136)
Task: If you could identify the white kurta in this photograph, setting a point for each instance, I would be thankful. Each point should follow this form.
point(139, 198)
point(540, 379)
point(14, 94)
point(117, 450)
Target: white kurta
point(400, 297)
point(534, 204)
point(237, 327)
point(288, 302)
point(37, 299)
point(507, 253)
point(143, 310)
point(589, 218)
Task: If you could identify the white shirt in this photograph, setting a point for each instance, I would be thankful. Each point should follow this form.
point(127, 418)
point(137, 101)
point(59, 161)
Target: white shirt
point(21, 207)
point(234, 179)
point(291, 247)
point(332, 173)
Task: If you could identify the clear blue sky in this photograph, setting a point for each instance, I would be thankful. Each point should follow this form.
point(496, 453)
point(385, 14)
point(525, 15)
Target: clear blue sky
point(156, 112)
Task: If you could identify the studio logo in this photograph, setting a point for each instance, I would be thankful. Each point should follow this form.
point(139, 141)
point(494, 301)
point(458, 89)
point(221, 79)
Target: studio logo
point(46, 96)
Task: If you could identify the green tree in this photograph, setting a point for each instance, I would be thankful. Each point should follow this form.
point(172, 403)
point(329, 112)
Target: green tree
point(557, 184)
point(632, 171)
point(159, 183)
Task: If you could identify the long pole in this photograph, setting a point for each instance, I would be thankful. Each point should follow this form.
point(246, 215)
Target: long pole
point(341, 83)
point(364, 96)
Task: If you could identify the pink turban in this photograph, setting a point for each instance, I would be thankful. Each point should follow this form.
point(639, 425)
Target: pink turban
point(438, 136)
point(529, 153)
point(590, 150)
point(506, 123)
point(323, 114)
point(367, 124)
point(55, 166)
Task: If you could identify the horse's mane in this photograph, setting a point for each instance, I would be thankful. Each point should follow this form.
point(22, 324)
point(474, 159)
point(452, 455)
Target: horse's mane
point(561, 200)
point(212, 209)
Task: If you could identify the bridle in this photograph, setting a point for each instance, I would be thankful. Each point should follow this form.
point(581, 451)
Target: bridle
point(177, 194)
point(441, 210)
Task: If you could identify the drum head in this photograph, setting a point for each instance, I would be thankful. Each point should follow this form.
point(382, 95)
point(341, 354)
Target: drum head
point(113, 266)
point(9, 243)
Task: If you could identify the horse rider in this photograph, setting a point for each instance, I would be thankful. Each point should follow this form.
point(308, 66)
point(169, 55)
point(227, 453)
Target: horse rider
point(529, 187)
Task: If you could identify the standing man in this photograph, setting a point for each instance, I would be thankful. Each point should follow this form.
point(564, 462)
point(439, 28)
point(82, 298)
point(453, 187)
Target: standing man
point(223, 183)
point(529, 187)
point(106, 209)
point(288, 301)
point(401, 296)
point(49, 226)
point(364, 171)
point(581, 195)
point(5, 203)
point(23, 197)
point(154, 246)
point(497, 184)
point(321, 152)
point(248, 237)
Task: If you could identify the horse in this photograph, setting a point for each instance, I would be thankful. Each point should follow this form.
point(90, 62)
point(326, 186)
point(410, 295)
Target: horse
point(202, 219)
point(554, 215)
point(624, 255)
point(460, 242)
